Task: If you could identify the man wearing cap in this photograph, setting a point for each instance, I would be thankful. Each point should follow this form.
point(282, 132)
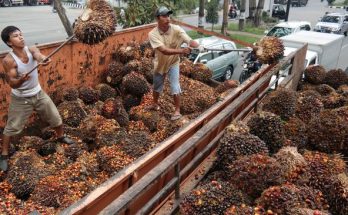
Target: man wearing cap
point(166, 39)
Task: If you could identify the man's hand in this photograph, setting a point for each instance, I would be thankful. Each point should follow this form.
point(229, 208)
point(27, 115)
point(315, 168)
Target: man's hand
point(186, 50)
point(24, 78)
point(201, 49)
point(45, 61)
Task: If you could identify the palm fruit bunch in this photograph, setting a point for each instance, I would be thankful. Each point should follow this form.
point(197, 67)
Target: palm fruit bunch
point(72, 113)
point(335, 78)
point(324, 89)
point(309, 105)
point(105, 91)
point(114, 74)
point(232, 146)
point(307, 211)
point(73, 151)
point(88, 95)
point(269, 128)
point(254, 173)
point(57, 95)
point(27, 168)
point(244, 209)
point(132, 66)
point(281, 102)
point(137, 143)
point(146, 49)
point(130, 101)
point(30, 142)
point(212, 198)
point(113, 109)
point(238, 127)
point(97, 22)
point(128, 52)
point(329, 132)
point(151, 120)
point(293, 165)
point(109, 108)
point(202, 73)
point(112, 159)
point(314, 74)
point(303, 86)
point(270, 50)
point(70, 94)
point(135, 126)
point(146, 69)
point(226, 85)
point(334, 100)
point(343, 90)
point(135, 84)
point(48, 148)
point(186, 67)
point(57, 161)
point(296, 132)
point(281, 199)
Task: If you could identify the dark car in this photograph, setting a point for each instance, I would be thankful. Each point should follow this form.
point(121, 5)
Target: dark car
point(279, 11)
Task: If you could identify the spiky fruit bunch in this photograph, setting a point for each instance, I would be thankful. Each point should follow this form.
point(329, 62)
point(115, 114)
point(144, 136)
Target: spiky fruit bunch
point(27, 168)
point(201, 73)
point(329, 132)
point(150, 120)
point(270, 50)
point(109, 108)
point(315, 74)
point(307, 211)
point(309, 105)
point(111, 159)
point(57, 95)
point(131, 66)
point(232, 146)
point(88, 95)
point(186, 67)
point(96, 23)
point(114, 74)
point(124, 54)
point(146, 49)
point(48, 148)
point(30, 142)
point(281, 199)
point(70, 94)
point(73, 151)
point(269, 128)
point(324, 89)
point(146, 69)
point(228, 84)
point(334, 100)
point(343, 89)
point(106, 91)
point(130, 101)
point(135, 84)
point(335, 78)
point(296, 132)
point(72, 113)
point(237, 127)
point(113, 109)
point(137, 143)
point(281, 102)
point(212, 198)
point(292, 163)
point(254, 173)
point(244, 210)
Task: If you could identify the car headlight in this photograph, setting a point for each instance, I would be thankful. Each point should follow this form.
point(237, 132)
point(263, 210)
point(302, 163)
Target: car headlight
point(245, 66)
point(336, 29)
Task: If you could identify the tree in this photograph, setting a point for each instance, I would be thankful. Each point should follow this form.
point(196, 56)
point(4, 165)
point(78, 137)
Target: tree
point(242, 15)
point(257, 18)
point(252, 7)
point(330, 2)
point(201, 14)
point(224, 18)
point(212, 15)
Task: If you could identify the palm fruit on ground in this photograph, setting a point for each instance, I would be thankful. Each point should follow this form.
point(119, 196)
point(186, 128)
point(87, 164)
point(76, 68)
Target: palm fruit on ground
point(232, 146)
point(72, 113)
point(49, 147)
point(135, 84)
point(88, 95)
point(308, 105)
point(269, 128)
point(281, 102)
point(237, 127)
point(296, 132)
point(96, 23)
point(70, 94)
point(314, 74)
point(26, 169)
point(324, 89)
point(335, 78)
point(293, 165)
point(112, 159)
point(146, 69)
point(201, 73)
point(129, 52)
point(244, 210)
point(106, 91)
point(212, 198)
point(281, 199)
point(130, 101)
point(137, 143)
point(254, 173)
point(114, 74)
point(186, 67)
point(329, 132)
point(30, 142)
point(270, 50)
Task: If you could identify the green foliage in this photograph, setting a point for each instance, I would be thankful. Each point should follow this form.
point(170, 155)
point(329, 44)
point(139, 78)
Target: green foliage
point(268, 19)
point(196, 35)
point(248, 28)
point(186, 5)
point(245, 38)
point(212, 13)
point(330, 2)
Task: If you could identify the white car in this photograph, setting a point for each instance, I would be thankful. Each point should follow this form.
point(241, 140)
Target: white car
point(333, 23)
point(285, 28)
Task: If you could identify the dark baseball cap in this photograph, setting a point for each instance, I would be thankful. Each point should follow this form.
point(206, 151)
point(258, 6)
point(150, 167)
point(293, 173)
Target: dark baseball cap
point(162, 11)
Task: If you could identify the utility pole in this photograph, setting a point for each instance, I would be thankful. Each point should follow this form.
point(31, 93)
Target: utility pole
point(63, 17)
point(201, 14)
point(287, 10)
point(242, 15)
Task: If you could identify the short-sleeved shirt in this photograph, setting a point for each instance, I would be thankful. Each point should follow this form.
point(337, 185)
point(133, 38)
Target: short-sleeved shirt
point(173, 38)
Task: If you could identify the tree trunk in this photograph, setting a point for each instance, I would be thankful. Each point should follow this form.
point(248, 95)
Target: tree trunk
point(257, 18)
point(252, 7)
point(63, 17)
point(212, 27)
point(201, 14)
point(224, 18)
point(242, 15)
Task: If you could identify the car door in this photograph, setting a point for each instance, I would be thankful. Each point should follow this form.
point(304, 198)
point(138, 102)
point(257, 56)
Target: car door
point(345, 24)
point(218, 61)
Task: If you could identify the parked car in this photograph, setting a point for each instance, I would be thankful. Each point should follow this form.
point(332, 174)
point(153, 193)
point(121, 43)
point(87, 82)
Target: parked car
point(285, 28)
point(9, 3)
point(279, 11)
point(222, 63)
point(299, 3)
point(333, 23)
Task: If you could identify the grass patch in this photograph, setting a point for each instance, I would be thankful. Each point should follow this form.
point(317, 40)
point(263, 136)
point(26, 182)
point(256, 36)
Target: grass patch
point(196, 35)
point(244, 38)
point(247, 28)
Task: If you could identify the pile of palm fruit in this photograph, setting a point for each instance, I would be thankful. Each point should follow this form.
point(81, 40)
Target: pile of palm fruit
point(110, 125)
point(286, 159)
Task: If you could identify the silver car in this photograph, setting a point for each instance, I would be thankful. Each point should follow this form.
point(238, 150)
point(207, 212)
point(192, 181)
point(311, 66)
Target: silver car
point(333, 23)
point(222, 63)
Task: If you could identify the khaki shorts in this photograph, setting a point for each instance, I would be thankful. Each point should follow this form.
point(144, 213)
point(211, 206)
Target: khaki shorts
point(21, 108)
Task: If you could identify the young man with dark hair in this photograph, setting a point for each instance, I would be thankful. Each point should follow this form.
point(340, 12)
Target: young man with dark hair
point(26, 92)
point(167, 39)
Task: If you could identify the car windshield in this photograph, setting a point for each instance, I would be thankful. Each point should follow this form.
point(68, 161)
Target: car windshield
point(279, 31)
point(192, 56)
point(332, 19)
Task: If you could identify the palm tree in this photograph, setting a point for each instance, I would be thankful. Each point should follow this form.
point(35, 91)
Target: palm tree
point(224, 18)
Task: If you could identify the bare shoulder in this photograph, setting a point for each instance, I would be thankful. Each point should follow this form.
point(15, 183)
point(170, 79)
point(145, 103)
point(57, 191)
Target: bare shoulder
point(8, 61)
point(34, 49)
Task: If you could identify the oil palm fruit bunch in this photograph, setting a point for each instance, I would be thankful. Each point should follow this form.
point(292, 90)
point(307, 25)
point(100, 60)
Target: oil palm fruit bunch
point(186, 67)
point(135, 84)
point(70, 94)
point(270, 50)
point(307, 211)
point(106, 91)
point(244, 209)
point(309, 105)
point(146, 49)
point(324, 89)
point(48, 148)
point(281, 102)
point(114, 74)
point(113, 109)
point(335, 78)
point(212, 198)
point(132, 66)
point(269, 128)
point(30, 142)
point(314, 74)
point(130, 101)
point(146, 69)
point(72, 113)
point(137, 143)
point(201, 73)
point(334, 100)
point(128, 52)
point(296, 132)
point(97, 22)
point(226, 85)
point(237, 127)
point(88, 95)
point(232, 146)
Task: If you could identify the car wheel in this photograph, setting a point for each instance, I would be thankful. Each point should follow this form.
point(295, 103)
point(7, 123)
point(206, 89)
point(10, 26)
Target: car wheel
point(228, 73)
point(243, 76)
point(345, 33)
point(7, 3)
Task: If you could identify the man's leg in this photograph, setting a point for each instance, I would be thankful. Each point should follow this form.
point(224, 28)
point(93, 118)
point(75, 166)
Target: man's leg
point(4, 152)
point(158, 82)
point(174, 80)
point(177, 104)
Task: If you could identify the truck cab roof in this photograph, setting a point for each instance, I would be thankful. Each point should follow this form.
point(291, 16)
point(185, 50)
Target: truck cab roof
point(315, 37)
